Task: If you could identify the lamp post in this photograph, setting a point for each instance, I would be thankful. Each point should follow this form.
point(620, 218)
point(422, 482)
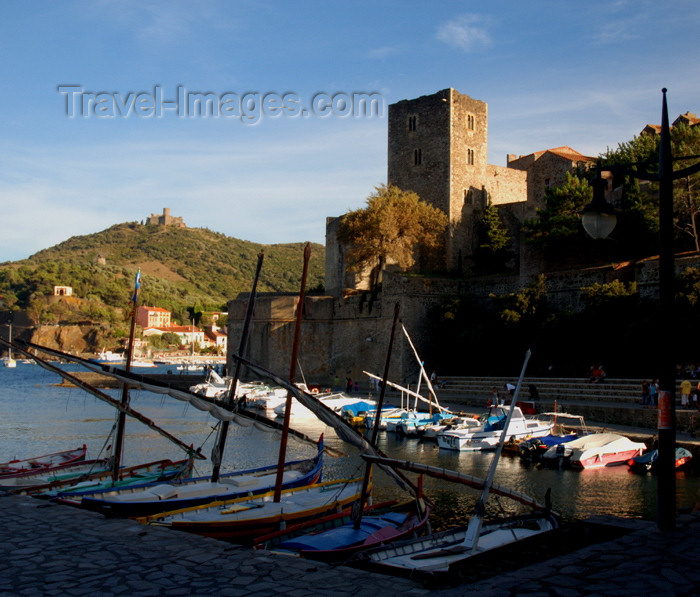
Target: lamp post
point(598, 219)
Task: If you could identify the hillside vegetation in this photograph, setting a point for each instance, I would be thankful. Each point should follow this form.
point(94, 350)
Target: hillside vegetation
point(181, 268)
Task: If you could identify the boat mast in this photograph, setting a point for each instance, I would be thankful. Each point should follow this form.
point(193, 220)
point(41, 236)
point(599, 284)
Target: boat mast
point(471, 538)
point(423, 374)
point(218, 450)
point(375, 427)
point(121, 417)
point(292, 375)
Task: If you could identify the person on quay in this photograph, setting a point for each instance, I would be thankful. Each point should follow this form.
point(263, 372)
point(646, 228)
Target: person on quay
point(685, 392)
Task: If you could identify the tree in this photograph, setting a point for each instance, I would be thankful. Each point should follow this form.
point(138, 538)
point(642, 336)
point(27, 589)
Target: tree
point(560, 220)
point(494, 247)
point(396, 226)
point(640, 205)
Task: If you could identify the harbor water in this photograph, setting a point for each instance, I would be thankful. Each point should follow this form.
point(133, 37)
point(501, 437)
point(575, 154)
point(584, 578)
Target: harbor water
point(39, 416)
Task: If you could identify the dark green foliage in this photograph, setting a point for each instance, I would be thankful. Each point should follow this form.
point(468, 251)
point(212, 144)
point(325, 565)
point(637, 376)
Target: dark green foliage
point(494, 249)
point(616, 328)
point(639, 202)
point(557, 228)
point(181, 268)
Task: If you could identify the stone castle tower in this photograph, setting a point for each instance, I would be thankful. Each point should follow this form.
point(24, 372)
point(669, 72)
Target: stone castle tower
point(438, 147)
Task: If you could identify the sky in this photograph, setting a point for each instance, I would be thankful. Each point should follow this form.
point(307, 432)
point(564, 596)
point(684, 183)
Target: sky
point(102, 120)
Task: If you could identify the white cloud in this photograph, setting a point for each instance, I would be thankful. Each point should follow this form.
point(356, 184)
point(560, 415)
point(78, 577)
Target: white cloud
point(466, 32)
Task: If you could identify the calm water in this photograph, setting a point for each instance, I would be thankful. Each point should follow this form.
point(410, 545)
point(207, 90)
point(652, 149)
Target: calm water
point(37, 417)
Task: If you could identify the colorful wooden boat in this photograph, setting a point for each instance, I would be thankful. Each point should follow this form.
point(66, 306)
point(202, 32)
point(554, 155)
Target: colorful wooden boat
point(336, 537)
point(140, 475)
point(64, 472)
point(244, 519)
point(440, 552)
point(13, 467)
point(132, 502)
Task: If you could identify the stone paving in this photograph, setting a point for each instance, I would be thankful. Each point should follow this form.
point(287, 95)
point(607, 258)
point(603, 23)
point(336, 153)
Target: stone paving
point(53, 550)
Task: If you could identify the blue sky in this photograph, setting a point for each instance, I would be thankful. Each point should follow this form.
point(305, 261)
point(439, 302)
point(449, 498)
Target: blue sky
point(553, 73)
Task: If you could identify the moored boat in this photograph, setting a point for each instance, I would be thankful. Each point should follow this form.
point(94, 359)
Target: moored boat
point(487, 436)
point(648, 462)
point(243, 519)
point(102, 477)
point(63, 472)
point(336, 537)
point(594, 451)
point(14, 467)
point(439, 552)
point(132, 502)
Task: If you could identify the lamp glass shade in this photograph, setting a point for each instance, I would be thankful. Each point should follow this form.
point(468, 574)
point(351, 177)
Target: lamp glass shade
point(597, 224)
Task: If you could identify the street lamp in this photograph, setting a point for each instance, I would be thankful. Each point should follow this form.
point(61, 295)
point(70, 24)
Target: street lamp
point(597, 218)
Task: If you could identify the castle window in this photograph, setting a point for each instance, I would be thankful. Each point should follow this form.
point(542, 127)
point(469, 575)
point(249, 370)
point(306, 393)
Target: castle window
point(470, 122)
point(470, 157)
point(468, 197)
point(412, 121)
point(547, 183)
point(417, 157)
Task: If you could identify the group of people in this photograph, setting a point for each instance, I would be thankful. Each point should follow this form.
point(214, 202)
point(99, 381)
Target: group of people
point(689, 394)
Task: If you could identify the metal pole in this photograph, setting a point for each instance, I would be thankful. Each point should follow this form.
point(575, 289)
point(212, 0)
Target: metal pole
point(666, 478)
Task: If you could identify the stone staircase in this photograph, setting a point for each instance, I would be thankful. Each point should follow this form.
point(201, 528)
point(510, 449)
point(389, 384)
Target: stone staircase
point(613, 402)
point(624, 391)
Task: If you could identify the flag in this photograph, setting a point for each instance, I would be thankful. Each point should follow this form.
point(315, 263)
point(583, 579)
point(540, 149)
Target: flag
point(137, 287)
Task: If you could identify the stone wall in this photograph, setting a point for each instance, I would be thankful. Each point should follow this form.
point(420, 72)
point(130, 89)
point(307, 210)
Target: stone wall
point(343, 336)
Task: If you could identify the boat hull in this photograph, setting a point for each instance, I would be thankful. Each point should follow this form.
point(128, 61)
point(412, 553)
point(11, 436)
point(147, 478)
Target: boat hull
point(45, 462)
point(334, 538)
point(596, 450)
point(439, 552)
point(244, 519)
point(187, 493)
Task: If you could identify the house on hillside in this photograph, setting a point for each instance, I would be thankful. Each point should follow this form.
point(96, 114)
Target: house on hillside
point(188, 334)
point(62, 291)
point(152, 317)
point(216, 338)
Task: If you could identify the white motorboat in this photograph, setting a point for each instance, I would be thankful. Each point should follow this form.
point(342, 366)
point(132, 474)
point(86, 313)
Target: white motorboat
point(487, 435)
point(431, 432)
point(335, 402)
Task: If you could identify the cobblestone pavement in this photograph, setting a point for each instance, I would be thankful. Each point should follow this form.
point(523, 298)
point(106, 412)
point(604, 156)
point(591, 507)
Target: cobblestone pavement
point(54, 550)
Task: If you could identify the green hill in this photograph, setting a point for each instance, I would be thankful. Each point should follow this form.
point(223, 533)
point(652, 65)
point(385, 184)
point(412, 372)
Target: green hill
point(180, 267)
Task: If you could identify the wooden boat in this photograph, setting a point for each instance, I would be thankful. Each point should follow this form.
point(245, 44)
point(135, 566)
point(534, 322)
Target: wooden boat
point(363, 528)
point(158, 471)
point(244, 519)
point(647, 462)
point(132, 502)
point(64, 472)
point(14, 467)
point(337, 537)
point(440, 552)
point(594, 451)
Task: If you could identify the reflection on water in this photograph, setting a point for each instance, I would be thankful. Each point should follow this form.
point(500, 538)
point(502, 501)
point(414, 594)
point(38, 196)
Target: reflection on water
point(37, 417)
